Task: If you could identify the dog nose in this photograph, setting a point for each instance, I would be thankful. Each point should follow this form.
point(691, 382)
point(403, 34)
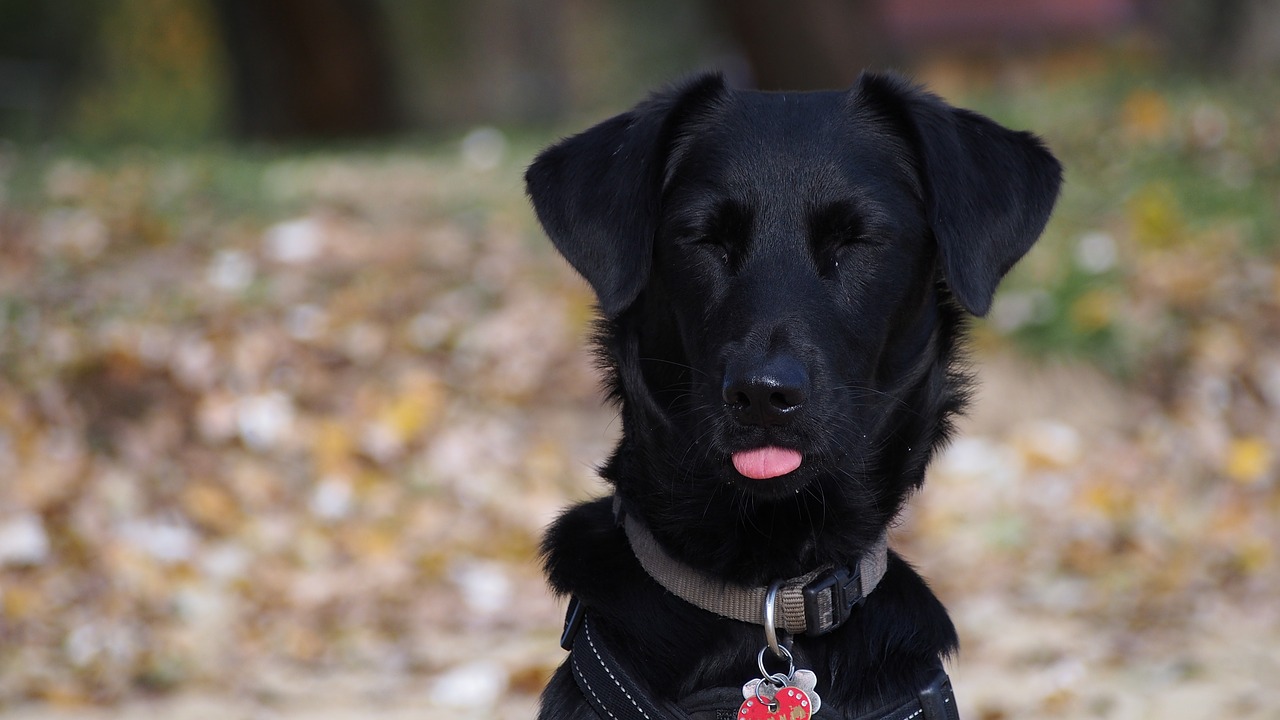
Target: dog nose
point(769, 394)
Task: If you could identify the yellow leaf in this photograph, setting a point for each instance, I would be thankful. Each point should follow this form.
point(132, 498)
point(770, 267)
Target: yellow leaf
point(332, 447)
point(211, 506)
point(1093, 311)
point(372, 543)
point(1248, 459)
point(1109, 498)
point(63, 694)
point(1155, 217)
point(1145, 116)
point(418, 404)
point(580, 308)
point(1254, 556)
point(18, 602)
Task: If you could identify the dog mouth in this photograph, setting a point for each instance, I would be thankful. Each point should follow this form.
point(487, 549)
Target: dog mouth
point(766, 463)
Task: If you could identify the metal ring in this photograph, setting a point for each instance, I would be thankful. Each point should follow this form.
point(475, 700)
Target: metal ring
point(770, 629)
point(785, 655)
point(770, 703)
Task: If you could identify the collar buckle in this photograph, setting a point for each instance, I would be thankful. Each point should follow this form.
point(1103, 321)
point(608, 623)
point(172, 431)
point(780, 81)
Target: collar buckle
point(830, 598)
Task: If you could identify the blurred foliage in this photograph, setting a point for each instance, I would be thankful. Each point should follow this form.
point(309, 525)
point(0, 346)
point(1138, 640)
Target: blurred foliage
point(1169, 205)
point(43, 48)
point(232, 387)
point(507, 61)
point(159, 77)
point(101, 72)
point(156, 71)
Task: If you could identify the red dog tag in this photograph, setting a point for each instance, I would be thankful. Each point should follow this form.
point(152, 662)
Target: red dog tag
point(789, 704)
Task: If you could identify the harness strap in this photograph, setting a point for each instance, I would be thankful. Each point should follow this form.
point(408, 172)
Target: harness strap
point(615, 695)
point(610, 689)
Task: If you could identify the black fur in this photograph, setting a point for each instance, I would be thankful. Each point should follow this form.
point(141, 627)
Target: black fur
point(823, 247)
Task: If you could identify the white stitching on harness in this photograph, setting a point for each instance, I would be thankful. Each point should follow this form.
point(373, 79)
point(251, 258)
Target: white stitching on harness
point(945, 700)
point(585, 681)
point(611, 676)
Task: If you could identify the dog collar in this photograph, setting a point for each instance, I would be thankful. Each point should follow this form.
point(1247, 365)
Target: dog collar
point(815, 603)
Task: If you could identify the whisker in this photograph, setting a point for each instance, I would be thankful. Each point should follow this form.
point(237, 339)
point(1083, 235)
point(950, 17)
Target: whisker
point(683, 366)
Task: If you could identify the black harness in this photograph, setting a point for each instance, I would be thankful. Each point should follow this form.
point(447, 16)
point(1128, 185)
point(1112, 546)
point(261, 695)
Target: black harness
point(615, 695)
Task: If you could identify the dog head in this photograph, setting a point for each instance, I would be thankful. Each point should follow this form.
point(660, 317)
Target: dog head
point(781, 279)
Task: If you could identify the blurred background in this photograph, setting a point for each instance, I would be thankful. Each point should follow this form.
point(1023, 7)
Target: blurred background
point(290, 381)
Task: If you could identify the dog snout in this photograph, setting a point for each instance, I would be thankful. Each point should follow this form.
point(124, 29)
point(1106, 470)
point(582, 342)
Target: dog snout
point(768, 394)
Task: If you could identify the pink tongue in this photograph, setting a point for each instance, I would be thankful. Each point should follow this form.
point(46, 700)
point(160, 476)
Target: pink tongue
point(766, 462)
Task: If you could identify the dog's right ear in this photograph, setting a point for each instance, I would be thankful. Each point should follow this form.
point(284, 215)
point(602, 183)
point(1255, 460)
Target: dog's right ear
point(598, 193)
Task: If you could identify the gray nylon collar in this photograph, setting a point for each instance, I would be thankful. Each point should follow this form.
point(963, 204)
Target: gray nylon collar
point(791, 612)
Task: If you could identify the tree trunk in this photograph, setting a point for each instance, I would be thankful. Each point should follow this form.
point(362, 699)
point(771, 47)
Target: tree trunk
point(806, 44)
point(1219, 37)
point(307, 68)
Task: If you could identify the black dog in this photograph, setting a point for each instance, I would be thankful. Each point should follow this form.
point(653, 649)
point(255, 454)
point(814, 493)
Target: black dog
point(783, 279)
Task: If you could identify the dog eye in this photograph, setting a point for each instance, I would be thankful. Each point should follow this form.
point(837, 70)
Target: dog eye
point(717, 244)
point(834, 249)
point(724, 232)
point(845, 236)
point(833, 232)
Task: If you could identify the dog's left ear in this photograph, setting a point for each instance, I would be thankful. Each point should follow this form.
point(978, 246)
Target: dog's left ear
point(988, 190)
point(597, 194)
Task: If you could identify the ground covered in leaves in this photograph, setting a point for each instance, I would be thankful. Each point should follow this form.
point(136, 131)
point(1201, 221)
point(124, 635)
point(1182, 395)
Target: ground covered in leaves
point(278, 434)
